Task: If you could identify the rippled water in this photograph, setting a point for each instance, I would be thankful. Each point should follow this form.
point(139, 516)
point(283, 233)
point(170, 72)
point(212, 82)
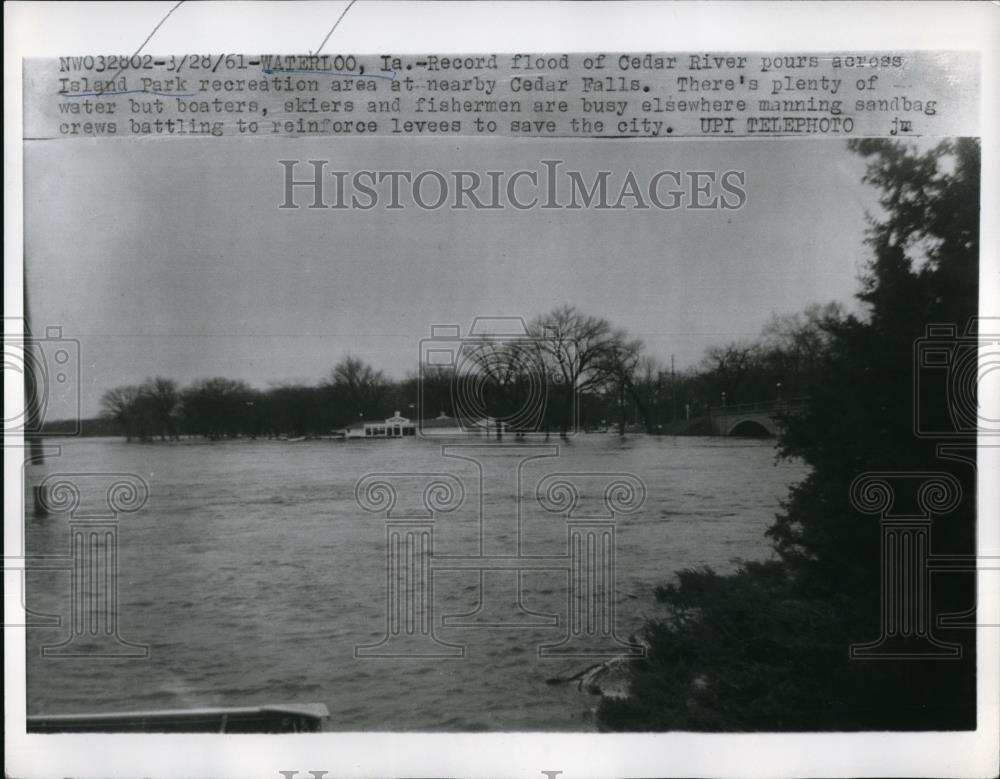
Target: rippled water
point(252, 574)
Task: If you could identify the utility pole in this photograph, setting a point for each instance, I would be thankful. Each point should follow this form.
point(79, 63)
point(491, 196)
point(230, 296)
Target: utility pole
point(34, 415)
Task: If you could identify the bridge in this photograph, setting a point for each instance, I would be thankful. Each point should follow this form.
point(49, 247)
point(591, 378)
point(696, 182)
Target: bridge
point(753, 419)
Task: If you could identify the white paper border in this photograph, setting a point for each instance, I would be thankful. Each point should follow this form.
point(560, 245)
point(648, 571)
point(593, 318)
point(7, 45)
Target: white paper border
point(54, 29)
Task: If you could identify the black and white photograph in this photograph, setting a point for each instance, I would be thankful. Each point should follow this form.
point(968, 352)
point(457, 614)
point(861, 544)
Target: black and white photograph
point(483, 395)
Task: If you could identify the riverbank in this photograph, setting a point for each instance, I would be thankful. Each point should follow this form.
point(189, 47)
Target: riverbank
point(98, 427)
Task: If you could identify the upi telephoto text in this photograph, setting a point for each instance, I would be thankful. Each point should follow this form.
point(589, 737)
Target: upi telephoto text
point(562, 95)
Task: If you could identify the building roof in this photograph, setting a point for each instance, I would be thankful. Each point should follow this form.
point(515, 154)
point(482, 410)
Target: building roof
point(393, 420)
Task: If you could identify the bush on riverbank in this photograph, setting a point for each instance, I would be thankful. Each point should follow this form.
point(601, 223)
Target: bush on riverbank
point(767, 647)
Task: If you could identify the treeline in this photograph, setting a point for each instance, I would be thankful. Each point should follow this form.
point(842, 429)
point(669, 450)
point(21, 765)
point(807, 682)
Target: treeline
point(571, 371)
point(767, 648)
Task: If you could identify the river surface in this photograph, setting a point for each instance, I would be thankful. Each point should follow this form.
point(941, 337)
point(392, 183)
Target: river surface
point(252, 574)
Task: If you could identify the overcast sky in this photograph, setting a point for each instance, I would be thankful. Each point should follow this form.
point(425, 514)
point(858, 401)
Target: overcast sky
point(170, 257)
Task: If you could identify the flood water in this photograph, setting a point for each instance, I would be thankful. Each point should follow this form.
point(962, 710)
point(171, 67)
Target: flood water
point(252, 574)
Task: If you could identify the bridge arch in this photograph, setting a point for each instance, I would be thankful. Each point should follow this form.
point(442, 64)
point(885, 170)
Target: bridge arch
point(756, 426)
point(754, 419)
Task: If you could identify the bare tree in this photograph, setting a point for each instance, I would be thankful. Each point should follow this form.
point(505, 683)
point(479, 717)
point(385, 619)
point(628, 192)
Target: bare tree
point(729, 365)
point(502, 379)
point(623, 358)
point(795, 344)
point(649, 387)
point(162, 398)
point(433, 386)
point(220, 407)
point(357, 387)
point(582, 354)
point(122, 405)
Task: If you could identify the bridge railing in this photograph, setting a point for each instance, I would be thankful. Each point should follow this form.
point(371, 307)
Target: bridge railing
point(763, 406)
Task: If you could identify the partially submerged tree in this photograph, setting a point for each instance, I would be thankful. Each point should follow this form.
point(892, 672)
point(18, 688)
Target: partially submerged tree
point(162, 399)
point(357, 390)
point(220, 408)
point(582, 355)
point(122, 405)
